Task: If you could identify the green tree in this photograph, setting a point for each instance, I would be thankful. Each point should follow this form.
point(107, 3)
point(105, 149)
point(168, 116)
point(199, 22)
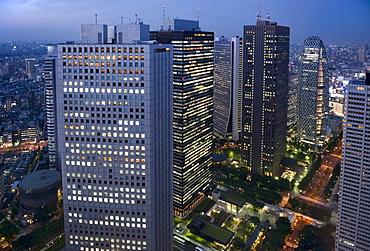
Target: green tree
point(238, 244)
point(45, 214)
point(8, 229)
point(255, 220)
point(293, 202)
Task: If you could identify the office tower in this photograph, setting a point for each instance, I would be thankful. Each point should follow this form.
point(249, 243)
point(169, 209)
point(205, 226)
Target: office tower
point(115, 140)
point(2, 184)
point(193, 109)
point(292, 102)
point(227, 87)
point(30, 67)
point(8, 104)
point(362, 54)
point(51, 118)
point(313, 99)
point(264, 114)
point(353, 229)
point(10, 69)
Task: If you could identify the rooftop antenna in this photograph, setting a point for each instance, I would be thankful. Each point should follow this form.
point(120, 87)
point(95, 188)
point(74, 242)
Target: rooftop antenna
point(136, 19)
point(121, 19)
point(267, 14)
point(198, 14)
point(259, 13)
point(164, 11)
point(96, 18)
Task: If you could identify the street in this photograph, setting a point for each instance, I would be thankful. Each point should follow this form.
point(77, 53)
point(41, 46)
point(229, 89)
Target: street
point(323, 174)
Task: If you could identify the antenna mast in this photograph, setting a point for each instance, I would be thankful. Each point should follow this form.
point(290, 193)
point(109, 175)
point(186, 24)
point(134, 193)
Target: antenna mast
point(96, 18)
point(267, 14)
point(136, 19)
point(198, 14)
point(121, 19)
point(164, 11)
point(259, 13)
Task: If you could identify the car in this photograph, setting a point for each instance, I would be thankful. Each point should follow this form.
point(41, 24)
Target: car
point(199, 249)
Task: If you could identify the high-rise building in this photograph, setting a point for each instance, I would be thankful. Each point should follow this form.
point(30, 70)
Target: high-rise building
point(114, 140)
point(292, 102)
point(362, 54)
point(10, 69)
point(51, 119)
point(30, 67)
point(193, 110)
point(353, 229)
point(313, 98)
point(265, 89)
point(228, 79)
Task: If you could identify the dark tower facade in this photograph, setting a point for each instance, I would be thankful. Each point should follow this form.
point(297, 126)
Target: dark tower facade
point(264, 114)
point(193, 111)
point(313, 99)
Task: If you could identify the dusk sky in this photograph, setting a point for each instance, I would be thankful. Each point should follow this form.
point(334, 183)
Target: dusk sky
point(336, 21)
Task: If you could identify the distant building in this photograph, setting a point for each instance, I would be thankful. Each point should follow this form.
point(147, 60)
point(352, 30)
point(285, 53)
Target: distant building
point(29, 133)
point(362, 54)
point(228, 79)
point(335, 123)
point(353, 229)
point(265, 90)
point(10, 69)
point(336, 103)
point(8, 104)
point(30, 67)
point(193, 110)
point(313, 97)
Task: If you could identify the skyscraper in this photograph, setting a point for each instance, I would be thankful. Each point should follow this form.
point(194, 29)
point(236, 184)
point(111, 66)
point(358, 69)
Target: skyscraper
point(292, 102)
point(362, 54)
point(193, 109)
point(265, 89)
point(227, 87)
point(51, 118)
point(313, 99)
point(30, 67)
point(353, 229)
point(114, 112)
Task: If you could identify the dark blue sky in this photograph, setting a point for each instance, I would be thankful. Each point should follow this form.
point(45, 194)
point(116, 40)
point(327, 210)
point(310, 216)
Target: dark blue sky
point(336, 21)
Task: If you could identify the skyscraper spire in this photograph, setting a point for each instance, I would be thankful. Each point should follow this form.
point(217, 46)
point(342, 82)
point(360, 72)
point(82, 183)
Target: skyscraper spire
point(267, 14)
point(259, 13)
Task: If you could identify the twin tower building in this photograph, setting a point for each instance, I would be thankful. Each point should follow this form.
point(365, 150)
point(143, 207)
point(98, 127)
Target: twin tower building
point(130, 122)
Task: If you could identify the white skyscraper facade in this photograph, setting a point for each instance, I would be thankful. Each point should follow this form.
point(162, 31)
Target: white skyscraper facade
point(353, 229)
point(114, 141)
point(227, 80)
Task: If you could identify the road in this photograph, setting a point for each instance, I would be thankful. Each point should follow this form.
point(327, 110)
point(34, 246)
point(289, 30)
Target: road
point(24, 147)
point(323, 174)
point(298, 223)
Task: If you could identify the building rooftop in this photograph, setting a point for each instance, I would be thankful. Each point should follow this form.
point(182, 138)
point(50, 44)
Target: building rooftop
point(218, 234)
point(219, 157)
point(233, 199)
point(39, 179)
point(289, 162)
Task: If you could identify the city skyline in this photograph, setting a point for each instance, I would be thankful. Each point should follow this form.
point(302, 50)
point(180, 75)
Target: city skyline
point(334, 21)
